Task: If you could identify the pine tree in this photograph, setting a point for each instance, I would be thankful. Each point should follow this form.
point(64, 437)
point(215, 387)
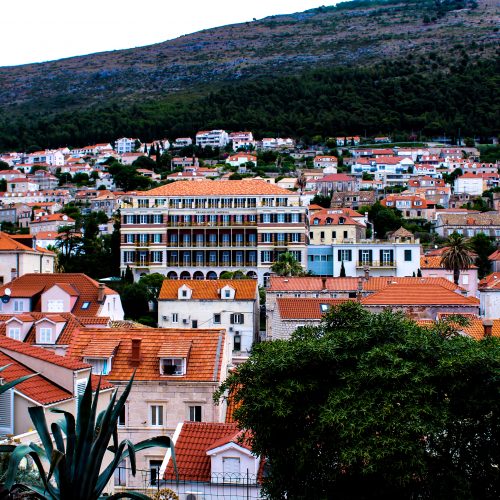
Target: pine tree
point(342, 270)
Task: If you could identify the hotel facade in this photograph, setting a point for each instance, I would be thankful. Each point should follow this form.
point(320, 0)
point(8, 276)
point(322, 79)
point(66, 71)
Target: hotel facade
point(197, 230)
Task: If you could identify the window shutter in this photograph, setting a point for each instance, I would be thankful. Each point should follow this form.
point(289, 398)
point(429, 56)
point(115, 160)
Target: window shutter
point(242, 318)
point(360, 256)
point(381, 258)
point(6, 412)
point(350, 255)
point(370, 254)
point(232, 319)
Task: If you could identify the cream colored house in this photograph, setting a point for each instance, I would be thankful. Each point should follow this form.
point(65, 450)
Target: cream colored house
point(176, 374)
point(17, 259)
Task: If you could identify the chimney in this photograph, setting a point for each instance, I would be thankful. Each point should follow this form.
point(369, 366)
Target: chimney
point(488, 327)
point(100, 293)
point(366, 269)
point(136, 350)
point(360, 289)
point(323, 284)
point(13, 274)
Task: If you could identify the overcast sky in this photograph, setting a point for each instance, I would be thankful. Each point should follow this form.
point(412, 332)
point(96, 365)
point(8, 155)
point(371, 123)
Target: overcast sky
point(44, 30)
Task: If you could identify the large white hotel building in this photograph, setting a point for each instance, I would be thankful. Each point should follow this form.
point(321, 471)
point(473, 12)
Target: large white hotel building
point(200, 229)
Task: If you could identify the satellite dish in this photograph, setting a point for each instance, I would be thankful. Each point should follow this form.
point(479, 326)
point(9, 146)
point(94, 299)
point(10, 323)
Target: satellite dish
point(8, 291)
point(6, 296)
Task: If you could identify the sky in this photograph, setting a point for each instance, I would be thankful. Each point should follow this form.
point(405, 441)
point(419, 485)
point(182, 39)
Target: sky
point(45, 30)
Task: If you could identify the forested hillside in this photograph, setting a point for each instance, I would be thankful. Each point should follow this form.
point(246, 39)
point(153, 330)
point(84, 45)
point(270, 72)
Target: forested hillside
point(403, 67)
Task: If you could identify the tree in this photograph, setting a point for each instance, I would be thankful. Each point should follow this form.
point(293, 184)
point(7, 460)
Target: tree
point(76, 449)
point(135, 301)
point(384, 219)
point(342, 270)
point(372, 406)
point(483, 247)
point(129, 275)
point(287, 265)
point(321, 200)
point(153, 283)
point(457, 255)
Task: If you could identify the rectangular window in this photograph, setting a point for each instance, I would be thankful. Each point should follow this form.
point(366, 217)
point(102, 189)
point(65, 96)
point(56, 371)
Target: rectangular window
point(407, 255)
point(345, 255)
point(194, 323)
point(15, 333)
point(18, 305)
point(121, 417)
point(129, 238)
point(157, 219)
point(465, 279)
point(175, 317)
point(217, 319)
point(120, 474)
point(156, 415)
point(195, 413)
point(334, 234)
point(46, 336)
point(172, 366)
point(154, 471)
point(231, 467)
point(55, 306)
point(100, 366)
point(237, 319)
point(156, 238)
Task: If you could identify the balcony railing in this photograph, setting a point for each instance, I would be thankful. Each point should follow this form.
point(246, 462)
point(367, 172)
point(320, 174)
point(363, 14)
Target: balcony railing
point(376, 263)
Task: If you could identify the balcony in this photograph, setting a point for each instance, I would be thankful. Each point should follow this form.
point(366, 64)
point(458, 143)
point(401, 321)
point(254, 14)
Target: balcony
point(376, 264)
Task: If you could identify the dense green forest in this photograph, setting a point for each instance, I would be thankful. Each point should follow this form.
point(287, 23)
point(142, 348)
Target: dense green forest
point(422, 97)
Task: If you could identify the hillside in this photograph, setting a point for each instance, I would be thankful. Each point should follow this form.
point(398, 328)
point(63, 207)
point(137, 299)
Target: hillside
point(353, 35)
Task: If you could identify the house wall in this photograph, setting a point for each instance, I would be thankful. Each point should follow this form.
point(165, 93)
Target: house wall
point(203, 311)
point(112, 308)
point(490, 303)
point(426, 312)
point(56, 293)
point(468, 278)
point(23, 263)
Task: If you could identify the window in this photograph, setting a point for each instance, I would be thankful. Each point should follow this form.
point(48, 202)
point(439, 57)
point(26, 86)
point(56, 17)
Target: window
point(465, 279)
point(121, 417)
point(227, 294)
point(231, 466)
point(334, 234)
point(345, 255)
point(217, 319)
point(156, 238)
point(157, 219)
point(85, 305)
point(100, 366)
point(156, 256)
point(15, 333)
point(129, 238)
point(175, 317)
point(194, 323)
point(237, 343)
point(45, 336)
point(345, 234)
point(18, 305)
point(195, 413)
point(172, 366)
point(407, 255)
point(237, 319)
point(154, 471)
point(55, 306)
point(324, 307)
point(120, 474)
point(156, 415)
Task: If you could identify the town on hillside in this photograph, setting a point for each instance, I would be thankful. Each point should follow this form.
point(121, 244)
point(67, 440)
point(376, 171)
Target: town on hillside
point(169, 260)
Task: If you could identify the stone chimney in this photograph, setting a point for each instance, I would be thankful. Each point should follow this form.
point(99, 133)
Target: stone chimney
point(323, 284)
point(488, 327)
point(100, 293)
point(366, 270)
point(136, 351)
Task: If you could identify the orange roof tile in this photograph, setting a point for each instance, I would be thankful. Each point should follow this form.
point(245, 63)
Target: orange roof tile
point(191, 446)
point(7, 244)
point(490, 282)
point(101, 347)
point(38, 388)
point(217, 188)
point(33, 284)
point(402, 295)
point(434, 262)
point(495, 255)
point(245, 289)
point(7, 344)
point(175, 349)
point(304, 307)
point(205, 357)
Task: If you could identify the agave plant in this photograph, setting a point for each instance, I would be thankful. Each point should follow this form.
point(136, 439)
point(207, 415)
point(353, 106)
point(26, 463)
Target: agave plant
point(76, 450)
point(12, 383)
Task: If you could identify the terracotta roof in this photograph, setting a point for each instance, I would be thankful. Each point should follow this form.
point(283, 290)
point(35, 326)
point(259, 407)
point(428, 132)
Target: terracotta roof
point(101, 347)
point(205, 357)
point(402, 295)
point(304, 307)
point(476, 328)
point(217, 188)
point(401, 233)
point(175, 349)
point(38, 388)
point(245, 289)
point(490, 282)
point(7, 344)
point(68, 288)
point(326, 217)
point(7, 243)
point(33, 284)
point(434, 262)
point(337, 178)
point(191, 446)
point(495, 255)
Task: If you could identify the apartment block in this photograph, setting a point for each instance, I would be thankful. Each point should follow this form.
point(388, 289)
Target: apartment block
point(197, 230)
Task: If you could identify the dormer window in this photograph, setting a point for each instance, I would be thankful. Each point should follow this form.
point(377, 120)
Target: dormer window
point(184, 292)
point(227, 292)
point(45, 336)
point(341, 220)
point(173, 366)
point(100, 366)
point(15, 333)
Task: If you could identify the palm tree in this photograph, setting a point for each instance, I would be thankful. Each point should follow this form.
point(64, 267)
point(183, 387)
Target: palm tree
point(457, 255)
point(287, 265)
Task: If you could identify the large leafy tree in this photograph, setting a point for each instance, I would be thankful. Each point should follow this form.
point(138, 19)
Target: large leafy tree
point(287, 265)
point(483, 247)
point(369, 406)
point(457, 255)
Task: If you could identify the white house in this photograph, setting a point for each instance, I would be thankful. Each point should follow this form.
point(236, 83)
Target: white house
point(239, 159)
point(242, 140)
point(213, 138)
point(489, 295)
point(470, 184)
point(125, 145)
point(182, 142)
point(229, 304)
